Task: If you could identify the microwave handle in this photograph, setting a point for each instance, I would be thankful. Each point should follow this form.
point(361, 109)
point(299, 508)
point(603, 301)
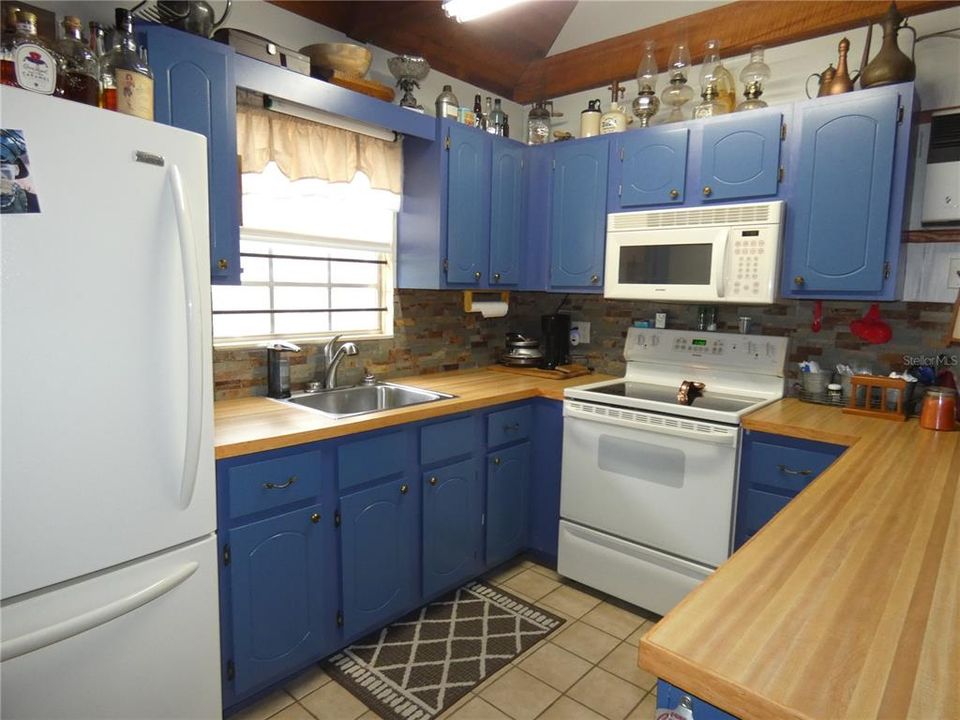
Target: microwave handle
point(721, 271)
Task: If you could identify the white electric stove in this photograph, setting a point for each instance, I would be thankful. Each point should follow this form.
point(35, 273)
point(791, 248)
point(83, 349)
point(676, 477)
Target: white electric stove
point(649, 481)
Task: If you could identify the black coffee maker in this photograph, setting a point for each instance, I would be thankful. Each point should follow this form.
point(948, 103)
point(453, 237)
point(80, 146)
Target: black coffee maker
point(555, 342)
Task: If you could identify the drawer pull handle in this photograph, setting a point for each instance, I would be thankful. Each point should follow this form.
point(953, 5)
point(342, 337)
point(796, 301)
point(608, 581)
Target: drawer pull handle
point(787, 471)
point(280, 486)
point(433, 480)
point(404, 488)
point(513, 427)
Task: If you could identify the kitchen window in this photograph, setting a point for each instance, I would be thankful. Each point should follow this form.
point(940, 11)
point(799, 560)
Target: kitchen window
point(317, 259)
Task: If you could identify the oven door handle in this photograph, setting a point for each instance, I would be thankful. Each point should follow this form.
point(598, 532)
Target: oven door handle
point(688, 428)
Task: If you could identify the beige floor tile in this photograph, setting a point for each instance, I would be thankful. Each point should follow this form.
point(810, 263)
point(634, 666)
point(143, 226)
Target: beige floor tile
point(613, 620)
point(333, 701)
point(370, 715)
point(622, 662)
point(571, 601)
point(547, 572)
point(586, 641)
point(477, 708)
point(567, 709)
point(606, 694)
point(307, 681)
point(520, 695)
point(269, 705)
point(293, 712)
point(646, 710)
point(502, 574)
point(531, 583)
point(557, 667)
point(635, 636)
point(493, 678)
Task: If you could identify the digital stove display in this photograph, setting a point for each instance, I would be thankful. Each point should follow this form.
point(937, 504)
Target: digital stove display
point(700, 342)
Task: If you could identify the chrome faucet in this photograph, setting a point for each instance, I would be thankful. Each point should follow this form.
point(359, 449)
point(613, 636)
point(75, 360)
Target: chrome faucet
point(331, 360)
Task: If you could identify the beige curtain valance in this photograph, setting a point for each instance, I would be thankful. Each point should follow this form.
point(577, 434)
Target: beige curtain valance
point(305, 149)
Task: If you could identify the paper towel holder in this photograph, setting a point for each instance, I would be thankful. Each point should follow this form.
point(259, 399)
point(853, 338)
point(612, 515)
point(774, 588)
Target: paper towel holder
point(504, 296)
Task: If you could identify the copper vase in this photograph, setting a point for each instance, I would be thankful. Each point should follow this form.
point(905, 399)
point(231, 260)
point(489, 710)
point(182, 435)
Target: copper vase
point(890, 65)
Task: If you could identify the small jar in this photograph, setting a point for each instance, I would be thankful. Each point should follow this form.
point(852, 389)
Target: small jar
point(939, 411)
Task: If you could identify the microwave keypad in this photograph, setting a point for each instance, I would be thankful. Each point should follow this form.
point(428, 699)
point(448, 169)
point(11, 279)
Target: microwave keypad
point(747, 254)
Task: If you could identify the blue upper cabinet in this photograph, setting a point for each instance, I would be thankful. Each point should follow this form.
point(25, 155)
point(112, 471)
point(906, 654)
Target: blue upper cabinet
point(845, 218)
point(194, 89)
point(506, 214)
point(280, 619)
point(578, 217)
point(451, 526)
point(508, 491)
point(379, 554)
point(468, 205)
point(740, 156)
point(653, 167)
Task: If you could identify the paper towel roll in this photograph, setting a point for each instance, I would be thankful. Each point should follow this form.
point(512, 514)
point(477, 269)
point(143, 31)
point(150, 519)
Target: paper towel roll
point(491, 309)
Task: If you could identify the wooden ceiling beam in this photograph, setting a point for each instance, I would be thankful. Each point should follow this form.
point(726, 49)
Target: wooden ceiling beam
point(738, 26)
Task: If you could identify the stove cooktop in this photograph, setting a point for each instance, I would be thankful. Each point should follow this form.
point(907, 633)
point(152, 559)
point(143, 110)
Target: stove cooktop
point(662, 394)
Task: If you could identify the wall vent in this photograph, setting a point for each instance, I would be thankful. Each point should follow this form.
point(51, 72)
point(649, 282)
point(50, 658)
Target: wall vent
point(714, 215)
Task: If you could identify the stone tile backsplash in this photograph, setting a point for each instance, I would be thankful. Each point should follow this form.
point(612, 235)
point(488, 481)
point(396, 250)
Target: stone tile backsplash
point(432, 333)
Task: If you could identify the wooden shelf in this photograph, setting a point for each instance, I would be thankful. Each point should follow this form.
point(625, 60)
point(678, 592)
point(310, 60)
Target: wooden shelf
point(932, 235)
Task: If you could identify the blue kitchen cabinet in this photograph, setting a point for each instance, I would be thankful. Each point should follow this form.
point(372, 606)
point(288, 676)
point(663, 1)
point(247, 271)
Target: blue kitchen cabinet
point(740, 156)
point(506, 213)
point(578, 217)
point(468, 205)
point(850, 159)
point(773, 470)
point(652, 166)
point(508, 493)
point(194, 89)
point(379, 543)
point(544, 507)
point(669, 696)
point(451, 526)
point(280, 617)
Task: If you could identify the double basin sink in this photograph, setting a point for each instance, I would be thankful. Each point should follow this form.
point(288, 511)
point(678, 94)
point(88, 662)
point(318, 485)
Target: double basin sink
point(362, 399)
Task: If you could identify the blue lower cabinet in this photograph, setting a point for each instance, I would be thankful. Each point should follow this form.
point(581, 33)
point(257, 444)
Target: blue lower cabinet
point(451, 526)
point(279, 616)
point(544, 508)
point(378, 554)
point(508, 491)
point(669, 696)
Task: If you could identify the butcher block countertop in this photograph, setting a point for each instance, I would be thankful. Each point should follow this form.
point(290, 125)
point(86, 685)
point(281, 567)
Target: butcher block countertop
point(255, 424)
point(845, 605)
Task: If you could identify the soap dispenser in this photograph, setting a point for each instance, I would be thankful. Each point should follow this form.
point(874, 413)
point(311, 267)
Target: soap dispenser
point(278, 368)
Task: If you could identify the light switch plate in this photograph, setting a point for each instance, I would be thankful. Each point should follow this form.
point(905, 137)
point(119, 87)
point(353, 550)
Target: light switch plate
point(953, 281)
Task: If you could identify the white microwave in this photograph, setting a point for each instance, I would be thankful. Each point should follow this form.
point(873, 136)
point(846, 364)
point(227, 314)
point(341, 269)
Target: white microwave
point(715, 254)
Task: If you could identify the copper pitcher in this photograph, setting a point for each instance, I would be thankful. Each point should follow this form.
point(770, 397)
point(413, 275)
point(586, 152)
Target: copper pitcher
point(824, 80)
point(891, 65)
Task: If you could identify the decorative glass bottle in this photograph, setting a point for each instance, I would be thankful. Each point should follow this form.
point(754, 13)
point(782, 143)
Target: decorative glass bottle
point(8, 73)
point(37, 65)
point(678, 93)
point(753, 76)
point(538, 124)
point(128, 81)
point(646, 104)
point(712, 72)
point(81, 68)
point(496, 118)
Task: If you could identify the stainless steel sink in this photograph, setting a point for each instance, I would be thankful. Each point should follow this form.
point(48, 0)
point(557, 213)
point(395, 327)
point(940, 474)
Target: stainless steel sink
point(346, 402)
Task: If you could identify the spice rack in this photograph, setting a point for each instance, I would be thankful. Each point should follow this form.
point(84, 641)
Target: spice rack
point(872, 396)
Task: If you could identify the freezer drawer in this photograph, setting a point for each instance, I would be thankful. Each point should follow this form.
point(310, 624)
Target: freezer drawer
point(137, 642)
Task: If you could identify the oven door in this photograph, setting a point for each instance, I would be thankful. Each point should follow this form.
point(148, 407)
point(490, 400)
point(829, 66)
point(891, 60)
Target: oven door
point(665, 482)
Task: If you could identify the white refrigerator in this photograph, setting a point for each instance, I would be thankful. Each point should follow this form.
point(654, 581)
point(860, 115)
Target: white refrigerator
point(107, 497)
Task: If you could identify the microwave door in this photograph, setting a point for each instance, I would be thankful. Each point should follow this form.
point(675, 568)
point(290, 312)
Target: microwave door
point(667, 264)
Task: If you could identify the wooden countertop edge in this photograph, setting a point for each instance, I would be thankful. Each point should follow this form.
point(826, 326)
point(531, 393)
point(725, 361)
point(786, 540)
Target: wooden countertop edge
point(798, 431)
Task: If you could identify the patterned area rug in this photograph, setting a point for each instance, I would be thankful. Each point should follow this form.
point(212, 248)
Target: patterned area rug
point(426, 661)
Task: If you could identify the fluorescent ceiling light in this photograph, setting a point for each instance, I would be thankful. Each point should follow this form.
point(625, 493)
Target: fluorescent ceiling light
point(466, 10)
point(338, 121)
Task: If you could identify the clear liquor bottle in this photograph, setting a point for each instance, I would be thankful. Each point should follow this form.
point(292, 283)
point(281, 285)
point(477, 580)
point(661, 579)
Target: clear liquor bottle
point(99, 50)
point(127, 79)
point(37, 65)
point(495, 125)
point(81, 68)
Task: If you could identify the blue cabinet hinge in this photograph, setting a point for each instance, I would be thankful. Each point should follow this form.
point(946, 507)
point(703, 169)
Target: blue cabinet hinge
point(783, 131)
point(231, 670)
point(336, 518)
point(226, 554)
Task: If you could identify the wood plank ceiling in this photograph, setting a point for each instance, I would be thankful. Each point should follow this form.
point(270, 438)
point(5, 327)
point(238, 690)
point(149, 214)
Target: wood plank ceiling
point(507, 52)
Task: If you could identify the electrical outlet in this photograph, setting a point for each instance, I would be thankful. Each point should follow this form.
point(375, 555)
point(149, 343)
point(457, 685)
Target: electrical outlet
point(584, 328)
point(953, 280)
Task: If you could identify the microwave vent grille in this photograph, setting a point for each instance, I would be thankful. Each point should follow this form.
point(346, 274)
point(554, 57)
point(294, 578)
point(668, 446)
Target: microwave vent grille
point(694, 217)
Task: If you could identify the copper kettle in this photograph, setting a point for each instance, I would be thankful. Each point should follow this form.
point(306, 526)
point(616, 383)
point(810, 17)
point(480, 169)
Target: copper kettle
point(891, 65)
point(835, 81)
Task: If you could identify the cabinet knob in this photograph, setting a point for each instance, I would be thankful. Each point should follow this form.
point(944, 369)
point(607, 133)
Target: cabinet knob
point(594, 279)
point(404, 488)
point(798, 280)
point(315, 518)
point(280, 486)
point(496, 277)
point(496, 461)
point(433, 480)
point(707, 191)
point(476, 275)
point(674, 194)
point(223, 263)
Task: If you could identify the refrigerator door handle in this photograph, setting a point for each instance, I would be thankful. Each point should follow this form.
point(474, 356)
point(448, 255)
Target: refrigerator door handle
point(191, 293)
point(60, 631)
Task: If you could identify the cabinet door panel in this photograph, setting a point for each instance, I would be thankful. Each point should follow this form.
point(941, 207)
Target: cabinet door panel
point(194, 89)
point(468, 206)
point(508, 488)
point(839, 219)
point(741, 157)
point(579, 217)
point(654, 166)
point(378, 528)
point(506, 214)
point(279, 613)
point(451, 525)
